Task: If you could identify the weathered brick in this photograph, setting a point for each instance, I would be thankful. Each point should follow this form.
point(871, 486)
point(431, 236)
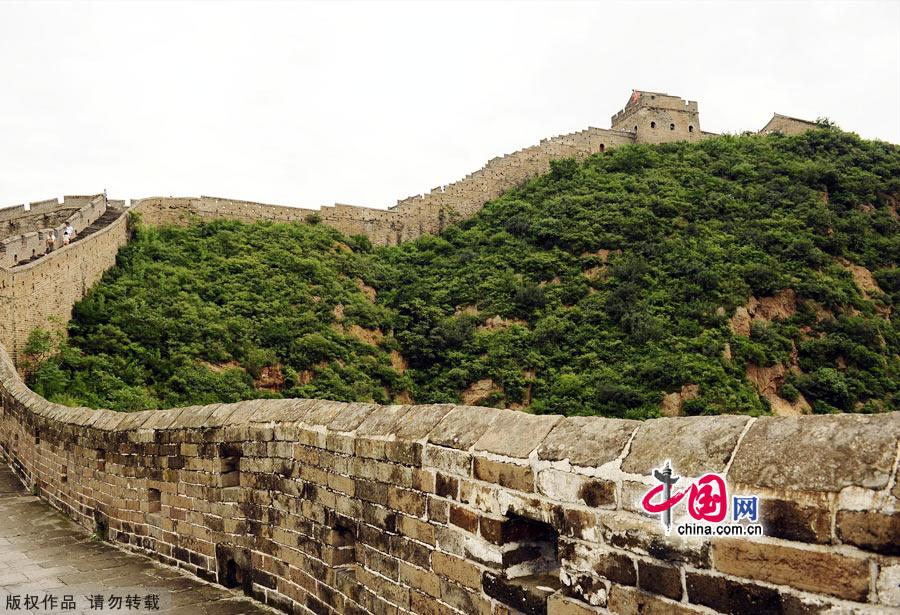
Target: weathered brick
point(407, 501)
point(464, 518)
point(457, 569)
point(660, 579)
point(520, 478)
point(872, 531)
point(794, 521)
point(630, 601)
point(816, 571)
point(729, 596)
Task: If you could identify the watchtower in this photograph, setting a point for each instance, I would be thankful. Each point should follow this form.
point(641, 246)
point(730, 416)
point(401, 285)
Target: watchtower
point(655, 117)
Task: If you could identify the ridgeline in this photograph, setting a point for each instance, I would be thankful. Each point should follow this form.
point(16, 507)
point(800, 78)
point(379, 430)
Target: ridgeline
point(740, 274)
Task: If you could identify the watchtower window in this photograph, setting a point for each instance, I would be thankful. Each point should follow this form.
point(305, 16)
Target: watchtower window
point(635, 128)
point(652, 124)
point(690, 129)
point(671, 126)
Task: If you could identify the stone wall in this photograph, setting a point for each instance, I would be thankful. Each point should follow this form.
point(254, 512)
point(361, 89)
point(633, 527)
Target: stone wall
point(42, 293)
point(29, 245)
point(786, 125)
point(412, 217)
point(17, 220)
point(656, 117)
point(324, 507)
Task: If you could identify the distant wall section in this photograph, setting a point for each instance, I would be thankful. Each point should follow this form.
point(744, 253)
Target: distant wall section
point(42, 293)
point(412, 217)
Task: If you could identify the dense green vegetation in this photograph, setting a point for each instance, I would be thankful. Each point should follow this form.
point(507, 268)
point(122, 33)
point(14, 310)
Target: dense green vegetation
point(595, 289)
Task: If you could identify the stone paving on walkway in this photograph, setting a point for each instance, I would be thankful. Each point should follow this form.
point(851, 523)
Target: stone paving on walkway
point(42, 553)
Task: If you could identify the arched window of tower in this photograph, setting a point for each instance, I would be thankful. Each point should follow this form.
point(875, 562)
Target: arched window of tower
point(690, 129)
point(652, 124)
point(671, 126)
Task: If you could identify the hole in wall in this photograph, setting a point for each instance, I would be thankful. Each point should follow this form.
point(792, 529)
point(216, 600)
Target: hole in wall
point(233, 567)
point(530, 560)
point(690, 129)
point(101, 525)
point(64, 474)
point(652, 124)
point(602, 147)
point(671, 126)
point(37, 437)
point(101, 459)
point(230, 464)
point(154, 500)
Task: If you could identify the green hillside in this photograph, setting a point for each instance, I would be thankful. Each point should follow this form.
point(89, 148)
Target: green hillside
point(745, 274)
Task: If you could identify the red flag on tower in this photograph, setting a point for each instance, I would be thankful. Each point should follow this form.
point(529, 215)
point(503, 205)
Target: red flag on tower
point(634, 97)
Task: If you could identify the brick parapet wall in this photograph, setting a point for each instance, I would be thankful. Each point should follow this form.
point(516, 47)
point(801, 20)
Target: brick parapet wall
point(412, 217)
point(324, 507)
point(42, 293)
point(21, 248)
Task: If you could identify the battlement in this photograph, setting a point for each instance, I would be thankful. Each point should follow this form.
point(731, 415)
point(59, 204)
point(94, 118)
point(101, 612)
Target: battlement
point(659, 100)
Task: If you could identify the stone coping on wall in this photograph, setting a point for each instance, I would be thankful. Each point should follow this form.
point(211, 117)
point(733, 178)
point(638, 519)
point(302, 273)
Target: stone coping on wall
point(203, 485)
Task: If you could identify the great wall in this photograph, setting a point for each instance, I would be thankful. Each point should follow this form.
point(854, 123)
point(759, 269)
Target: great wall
point(313, 506)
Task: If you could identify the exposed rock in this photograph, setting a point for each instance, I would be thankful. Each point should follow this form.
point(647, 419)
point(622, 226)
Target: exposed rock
point(497, 323)
point(465, 310)
point(479, 391)
point(369, 336)
point(768, 381)
point(368, 291)
point(726, 352)
point(672, 403)
point(862, 277)
point(779, 306)
point(594, 273)
point(740, 322)
point(339, 311)
point(398, 362)
point(270, 378)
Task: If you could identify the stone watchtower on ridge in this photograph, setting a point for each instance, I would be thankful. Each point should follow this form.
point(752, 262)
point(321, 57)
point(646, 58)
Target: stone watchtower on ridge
point(655, 117)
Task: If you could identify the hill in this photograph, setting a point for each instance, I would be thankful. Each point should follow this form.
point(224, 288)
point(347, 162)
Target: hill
point(742, 274)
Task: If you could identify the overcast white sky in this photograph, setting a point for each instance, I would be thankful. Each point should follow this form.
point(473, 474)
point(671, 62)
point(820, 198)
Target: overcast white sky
point(365, 103)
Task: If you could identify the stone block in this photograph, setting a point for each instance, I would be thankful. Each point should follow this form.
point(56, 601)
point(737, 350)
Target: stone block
point(869, 530)
point(516, 434)
point(463, 426)
point(819, 572)
point(695, 445)
point(520, 478)
point(587, 441)
point(818, 453)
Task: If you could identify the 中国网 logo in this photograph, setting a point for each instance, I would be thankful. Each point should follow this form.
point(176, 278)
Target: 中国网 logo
point(707, 503)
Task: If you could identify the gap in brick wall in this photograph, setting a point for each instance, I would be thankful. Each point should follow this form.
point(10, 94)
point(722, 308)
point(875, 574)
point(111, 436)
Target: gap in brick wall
point(530, 556)
point(154, 500)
